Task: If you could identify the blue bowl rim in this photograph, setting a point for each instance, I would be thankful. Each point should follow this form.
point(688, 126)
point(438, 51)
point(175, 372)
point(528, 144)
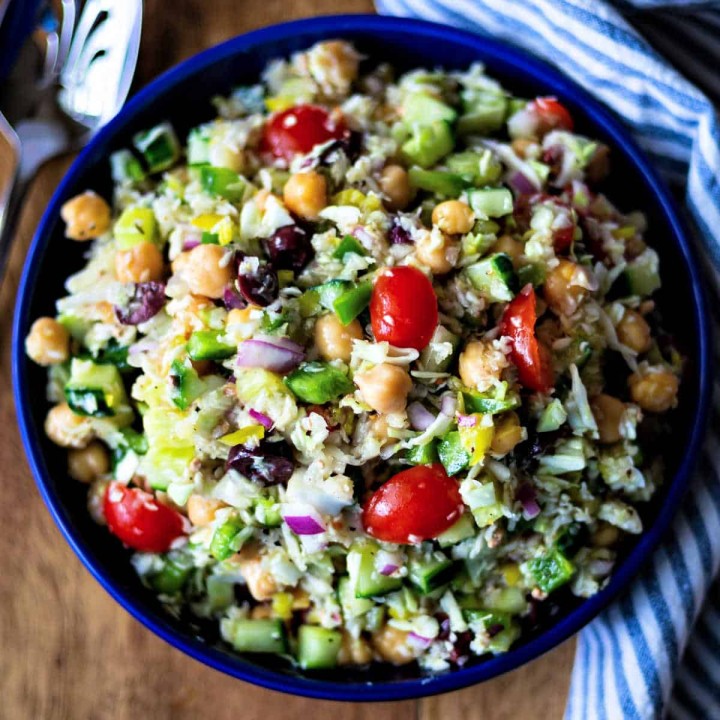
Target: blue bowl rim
point(422, 686)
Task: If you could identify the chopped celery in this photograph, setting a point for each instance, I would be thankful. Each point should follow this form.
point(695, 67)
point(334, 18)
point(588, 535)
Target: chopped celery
point(198, 146)
point(500, 628)
point(173, 575)
point(319, 383)
point(476, 168)
point(136, 225)
point(491, 202)
point(551, 570)
point(228, 538)
point(159, 146)
point(258, 636)
point(318, 647)
point(437, 181)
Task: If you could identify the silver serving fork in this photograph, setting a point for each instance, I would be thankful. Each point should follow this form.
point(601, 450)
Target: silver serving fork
point(86, 77)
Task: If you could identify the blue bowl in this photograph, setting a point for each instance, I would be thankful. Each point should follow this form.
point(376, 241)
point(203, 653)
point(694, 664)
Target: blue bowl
point(182, 95)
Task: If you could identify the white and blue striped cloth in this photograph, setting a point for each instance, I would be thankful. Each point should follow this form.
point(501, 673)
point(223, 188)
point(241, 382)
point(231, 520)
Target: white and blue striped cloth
point(656, 651)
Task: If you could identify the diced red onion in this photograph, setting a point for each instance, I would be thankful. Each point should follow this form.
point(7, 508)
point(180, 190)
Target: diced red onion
point(526, 495)
point(232, 299)
point(600, 567)
point(303, 519)
point(282, 342)
point(144, 345)
point(387, 562)
point(388, 569)
point(190, 244)
point(263, 419)
point(419, 640)
point(518, 182)
point(448, 404)
point(269, 356)
point(360, 233)
point(420, 417)
point(467, 420)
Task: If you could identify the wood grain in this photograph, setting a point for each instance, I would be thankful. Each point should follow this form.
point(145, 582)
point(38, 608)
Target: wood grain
point(68, 651)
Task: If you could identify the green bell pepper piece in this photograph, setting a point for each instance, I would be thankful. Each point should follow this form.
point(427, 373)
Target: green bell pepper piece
point(319, 383)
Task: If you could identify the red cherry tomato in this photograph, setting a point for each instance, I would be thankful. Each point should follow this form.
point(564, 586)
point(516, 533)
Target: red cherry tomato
point(414, 505)
point(139, 520)
point(298, 129)
point(531, 358)
point(403, 308)
point(553, 114)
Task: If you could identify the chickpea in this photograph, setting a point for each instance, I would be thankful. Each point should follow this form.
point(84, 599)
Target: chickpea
point(634, 331)
point(260, 583)
point(86, 216)
point(334, 65)
point(221, 154)
point(261, 612)
point(141, 263)
point(333, 339)
point(606, 535)
point(306, 194)
point(392, 645)
point(608, 412)
point(510, 246)
point(453, 217)
point(48, 342)
point(67, 429)
point(385, 388)
point(654, 391)
point(564, 290)
point(201, 510)
point(88, 464)
point(431, 250)
point(522, 146)
point(202, 270)
point(354, 651)
point(480, 365)
point(395, 184)
point(508, 433)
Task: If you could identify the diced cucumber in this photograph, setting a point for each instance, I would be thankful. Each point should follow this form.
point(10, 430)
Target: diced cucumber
point(534, 273)
point(352, 302)
point(572, 538)
point(204, 345)
point(476, 168)
point(437, 356)
point(228, 538)
point(494, 277)
point(94, 390)
point(454, 457)
point(352, 606)
point(500, 627)
point(437, 181)
point(429, 143)
point(259, 636)
point(159, 146)
point(322, 296)
point(552, 417)
point(136, 225)
point(641, 276)
point(482, 403)
point(461, 530)
point(267, 512)
point(491, 202)
point(484, 112)
point(220, 592)
point(126, 168)
point(172, 577)
point(421, 109)
point(186, 386)
point(551, 570)
point(365, 580)
point(318, 647)
point(113, 354)
point(506, 600)
point(198, 146)
point(319, 383)
point(348, 245)
point(422, 454)
point(223, 182)
point(428, 574)
point(77, 326)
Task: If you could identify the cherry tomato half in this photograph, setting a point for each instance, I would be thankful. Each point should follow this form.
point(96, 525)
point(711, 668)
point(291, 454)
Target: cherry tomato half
point(414, 505)
point(531, 358)
point(403, 308)
point(139, 520)
point(298, 129)
point(553, 114)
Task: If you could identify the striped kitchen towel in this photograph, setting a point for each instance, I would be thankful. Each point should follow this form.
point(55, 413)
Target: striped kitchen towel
point(656, 651)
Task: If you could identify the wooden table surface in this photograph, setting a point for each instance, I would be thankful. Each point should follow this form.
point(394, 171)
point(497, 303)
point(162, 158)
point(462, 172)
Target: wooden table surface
point(67, 651)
